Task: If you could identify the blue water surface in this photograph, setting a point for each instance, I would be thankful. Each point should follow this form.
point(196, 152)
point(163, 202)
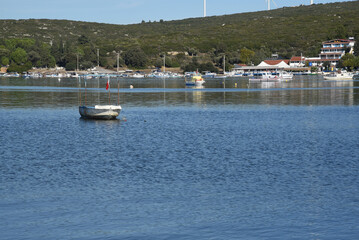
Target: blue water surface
point(181, 172)
point(232, 160)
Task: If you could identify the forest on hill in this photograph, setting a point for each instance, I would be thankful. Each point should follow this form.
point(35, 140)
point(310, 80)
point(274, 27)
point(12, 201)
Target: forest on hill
point(190, 43)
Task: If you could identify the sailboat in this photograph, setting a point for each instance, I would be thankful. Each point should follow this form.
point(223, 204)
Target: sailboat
point(102, 112)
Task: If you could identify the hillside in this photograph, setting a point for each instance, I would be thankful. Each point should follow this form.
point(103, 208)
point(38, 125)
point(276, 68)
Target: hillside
point(286, 31)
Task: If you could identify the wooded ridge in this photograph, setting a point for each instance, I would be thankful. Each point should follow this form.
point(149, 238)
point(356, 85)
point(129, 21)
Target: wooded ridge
point(243, 38)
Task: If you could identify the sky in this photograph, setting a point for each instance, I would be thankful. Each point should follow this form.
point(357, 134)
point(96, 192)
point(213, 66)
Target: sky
point(134, 11)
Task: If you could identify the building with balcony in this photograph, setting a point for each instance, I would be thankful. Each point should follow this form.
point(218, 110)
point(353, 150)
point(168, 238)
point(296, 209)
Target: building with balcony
point(333, 50)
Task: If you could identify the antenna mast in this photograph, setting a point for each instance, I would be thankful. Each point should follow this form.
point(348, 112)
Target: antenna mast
point(204, 8)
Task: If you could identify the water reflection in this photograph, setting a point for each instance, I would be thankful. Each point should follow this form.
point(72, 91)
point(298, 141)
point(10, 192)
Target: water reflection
point(18, 92)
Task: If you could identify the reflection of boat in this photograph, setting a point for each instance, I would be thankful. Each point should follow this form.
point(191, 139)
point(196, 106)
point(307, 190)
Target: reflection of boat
point(339, 76)
point(104, 112)
point(194, 80)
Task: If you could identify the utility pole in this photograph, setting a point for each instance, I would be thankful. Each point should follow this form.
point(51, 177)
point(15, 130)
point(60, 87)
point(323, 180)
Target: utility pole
point(118, 61)
point(77, 62)
point(98, 57)
point(164, 63)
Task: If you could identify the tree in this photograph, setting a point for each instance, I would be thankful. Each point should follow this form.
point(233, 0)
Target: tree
point(135, 57)
point(5, 61)
point(356, 48)
point(82, 40)
point(246, 55)
point(19, 56)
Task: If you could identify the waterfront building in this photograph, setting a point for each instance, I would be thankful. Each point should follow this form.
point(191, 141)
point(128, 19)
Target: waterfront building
point(333, 50)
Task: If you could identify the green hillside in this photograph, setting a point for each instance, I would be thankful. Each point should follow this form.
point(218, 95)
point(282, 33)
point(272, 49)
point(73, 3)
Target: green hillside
point(246, 37)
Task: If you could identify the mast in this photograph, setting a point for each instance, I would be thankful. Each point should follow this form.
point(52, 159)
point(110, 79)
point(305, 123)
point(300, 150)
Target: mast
point(268, 4)
point(311, 2)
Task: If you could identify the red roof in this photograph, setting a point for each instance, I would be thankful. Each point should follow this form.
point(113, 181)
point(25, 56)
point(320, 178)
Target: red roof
point(275, 62)
point(297, 59)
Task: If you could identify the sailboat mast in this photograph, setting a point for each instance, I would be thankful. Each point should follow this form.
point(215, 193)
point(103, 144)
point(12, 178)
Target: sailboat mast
point(109, 91)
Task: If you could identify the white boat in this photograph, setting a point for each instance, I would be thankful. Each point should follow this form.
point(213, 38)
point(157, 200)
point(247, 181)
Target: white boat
point(265, 77)
point(194, 80)
point(339, 76)
point(271, 77)
point(208, 74)
point(137, 75)
point(286, 75)
point(356, 77)
point(104, 112)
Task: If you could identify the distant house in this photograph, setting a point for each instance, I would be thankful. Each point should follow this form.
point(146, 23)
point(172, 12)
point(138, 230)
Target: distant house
point(3, 70)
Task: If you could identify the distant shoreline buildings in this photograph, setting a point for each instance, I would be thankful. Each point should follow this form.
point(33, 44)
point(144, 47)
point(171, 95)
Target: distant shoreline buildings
point(332, 51)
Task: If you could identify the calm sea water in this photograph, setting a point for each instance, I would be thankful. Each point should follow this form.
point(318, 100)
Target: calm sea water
point(248, 161)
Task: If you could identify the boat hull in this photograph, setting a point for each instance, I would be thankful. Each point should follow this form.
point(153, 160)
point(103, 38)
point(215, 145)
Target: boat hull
point(338, 78)
point(101, 112)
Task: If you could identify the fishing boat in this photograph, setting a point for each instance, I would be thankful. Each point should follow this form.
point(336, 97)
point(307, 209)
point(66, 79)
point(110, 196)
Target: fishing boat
point(101, 112)
point(194, 80)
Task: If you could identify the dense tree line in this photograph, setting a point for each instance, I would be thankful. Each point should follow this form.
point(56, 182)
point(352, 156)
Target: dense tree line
point(20, 55)
point(201, 42)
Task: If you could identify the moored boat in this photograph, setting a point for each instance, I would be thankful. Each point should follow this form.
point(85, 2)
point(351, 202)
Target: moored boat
point(102, 112)
point(194, 80)
point(339, 76)
point(265, 77)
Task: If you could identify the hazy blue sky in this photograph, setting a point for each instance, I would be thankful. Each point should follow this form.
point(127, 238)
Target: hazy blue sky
point(133, 11)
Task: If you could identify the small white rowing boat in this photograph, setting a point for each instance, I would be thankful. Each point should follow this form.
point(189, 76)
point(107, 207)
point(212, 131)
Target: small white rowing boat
point(104, 112)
